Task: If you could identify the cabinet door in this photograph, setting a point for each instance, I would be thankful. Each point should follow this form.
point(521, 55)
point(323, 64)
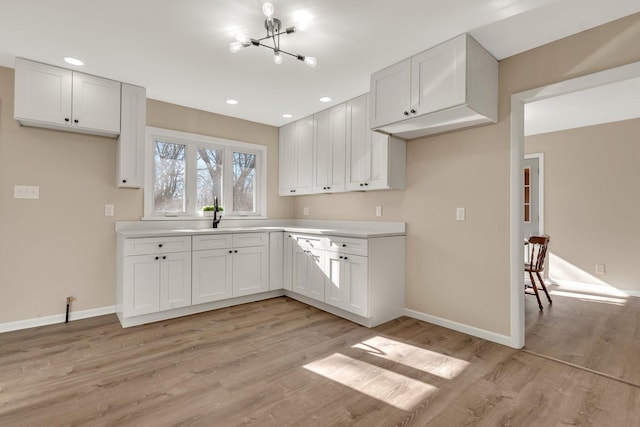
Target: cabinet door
point(42, 92)
point(445, 65)
point(212, 275)
point(379, 161)
point(322, 155)
point(300, 270)
point(358, 144)
point(304, 156)
point(316, 268)
point(96, 103)
point(338, 142)
point(130, 160)
point(276, 264)
point(356, 280)
point(175, 280)
point(141, 285)
point(390, 94)
point(287, 160)
point(250, 270)
point(289, 242)
point(334, 292)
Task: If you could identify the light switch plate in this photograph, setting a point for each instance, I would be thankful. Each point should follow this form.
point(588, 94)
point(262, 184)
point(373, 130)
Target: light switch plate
point(599, 268)
point(378, 210)
point(108, 210)
point(460, 214)
point(305, 211)
point(26, 192)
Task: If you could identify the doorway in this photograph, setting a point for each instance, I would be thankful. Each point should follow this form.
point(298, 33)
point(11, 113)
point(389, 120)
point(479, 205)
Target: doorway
point(517, 232)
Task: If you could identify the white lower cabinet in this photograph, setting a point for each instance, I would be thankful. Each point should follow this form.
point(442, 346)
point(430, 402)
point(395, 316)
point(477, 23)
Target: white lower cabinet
point(240, 267)
point(346, 284)
point(308, 272)
point(363, 277)
point(156, 281)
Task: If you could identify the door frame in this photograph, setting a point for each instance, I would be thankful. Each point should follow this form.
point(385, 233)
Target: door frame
point(516, 191)
point(540, 157)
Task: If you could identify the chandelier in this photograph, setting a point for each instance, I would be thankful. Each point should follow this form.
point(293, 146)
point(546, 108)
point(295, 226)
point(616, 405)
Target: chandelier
point(274, 31)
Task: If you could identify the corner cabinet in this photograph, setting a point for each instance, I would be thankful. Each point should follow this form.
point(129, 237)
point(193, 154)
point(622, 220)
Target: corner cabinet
point(61, 99)
point(355, 278)
point(375, 161)
point(345, 156)
point(450, 86)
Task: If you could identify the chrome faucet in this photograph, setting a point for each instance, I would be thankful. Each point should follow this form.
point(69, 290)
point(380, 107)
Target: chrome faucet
point(216, 220)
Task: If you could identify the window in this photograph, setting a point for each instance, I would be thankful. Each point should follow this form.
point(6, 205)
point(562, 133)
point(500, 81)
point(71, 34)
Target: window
point(186, 172)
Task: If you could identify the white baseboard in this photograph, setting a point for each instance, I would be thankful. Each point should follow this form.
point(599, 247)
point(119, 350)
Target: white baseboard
point(461, 327)
point(631, 293)
point(55, 318)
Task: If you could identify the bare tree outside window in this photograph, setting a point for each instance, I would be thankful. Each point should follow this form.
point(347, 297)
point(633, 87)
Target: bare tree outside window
point(169, 177)
point(244, 178)
point(209, 174)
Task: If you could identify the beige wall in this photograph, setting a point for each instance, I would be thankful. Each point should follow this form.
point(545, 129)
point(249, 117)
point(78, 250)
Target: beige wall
point(460, 270)
point(62, 244)
point(591, 204)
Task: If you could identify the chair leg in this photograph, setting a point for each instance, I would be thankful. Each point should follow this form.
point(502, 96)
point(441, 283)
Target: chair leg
point(535, 290)
point(544, 288)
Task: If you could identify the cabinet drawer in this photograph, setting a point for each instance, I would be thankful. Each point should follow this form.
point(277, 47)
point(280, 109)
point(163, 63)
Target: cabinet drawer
point(212, 241)
point(309, 241)
point(348, 245)
point(244, 240)
point(156, 245)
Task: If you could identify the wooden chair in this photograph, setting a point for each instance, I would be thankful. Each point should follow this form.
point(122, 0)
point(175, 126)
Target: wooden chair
point(538, 246)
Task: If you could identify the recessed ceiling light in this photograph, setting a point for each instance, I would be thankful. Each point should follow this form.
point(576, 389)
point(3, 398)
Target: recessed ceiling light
point(73, 61)
point(325, 99)
point(232, 101)
point(287, 115)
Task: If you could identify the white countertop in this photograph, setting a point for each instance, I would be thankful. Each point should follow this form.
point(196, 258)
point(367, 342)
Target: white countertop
point(331, 228)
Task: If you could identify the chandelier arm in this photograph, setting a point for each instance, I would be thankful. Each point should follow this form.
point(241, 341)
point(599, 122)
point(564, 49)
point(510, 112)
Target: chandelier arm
point(281, 51)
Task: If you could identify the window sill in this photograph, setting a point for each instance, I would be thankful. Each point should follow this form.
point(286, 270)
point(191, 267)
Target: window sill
point(195, 218)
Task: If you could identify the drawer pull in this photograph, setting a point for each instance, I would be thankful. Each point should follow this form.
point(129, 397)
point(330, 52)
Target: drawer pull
point(160, 245)
point(157, 257)
point(164, 257)
point(344, 245)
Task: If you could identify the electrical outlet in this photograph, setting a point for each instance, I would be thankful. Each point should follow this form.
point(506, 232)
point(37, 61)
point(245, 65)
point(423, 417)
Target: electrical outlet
point(26, 192)
point(599, 268)
point(108, 210)
point(460, 214)
point(305, 211)
point(378, 210)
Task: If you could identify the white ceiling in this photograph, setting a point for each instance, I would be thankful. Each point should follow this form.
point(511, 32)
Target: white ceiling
point(179, 50)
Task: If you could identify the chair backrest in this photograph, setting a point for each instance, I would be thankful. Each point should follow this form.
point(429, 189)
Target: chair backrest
point(538, 246)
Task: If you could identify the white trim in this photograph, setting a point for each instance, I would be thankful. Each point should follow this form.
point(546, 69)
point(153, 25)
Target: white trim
point(518, 100)
point(55, 318)
point(631, 293)
point(540, 157)
point(460, 327)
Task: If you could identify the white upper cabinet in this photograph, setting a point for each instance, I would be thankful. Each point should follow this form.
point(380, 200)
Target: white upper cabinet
point(329, 150)
point(451, 86)
point(56, 98)
point(287, 160)
point(296, 158)
point(130, 164)
point(375, 161)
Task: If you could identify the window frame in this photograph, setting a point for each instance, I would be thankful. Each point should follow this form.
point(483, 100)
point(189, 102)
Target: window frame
point(192, 142)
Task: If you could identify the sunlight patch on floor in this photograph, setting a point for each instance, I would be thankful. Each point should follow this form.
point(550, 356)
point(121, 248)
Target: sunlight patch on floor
point(589, 298)
point(443, 366)
point(389, 387)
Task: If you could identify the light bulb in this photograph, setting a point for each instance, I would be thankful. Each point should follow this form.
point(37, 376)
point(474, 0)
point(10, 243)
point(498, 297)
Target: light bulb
point(243, 38)
point(277, 58)
point(268, 10)
point(235, 47)
point(310, 61)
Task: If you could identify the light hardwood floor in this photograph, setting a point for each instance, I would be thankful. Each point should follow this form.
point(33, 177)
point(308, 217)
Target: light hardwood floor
point(280, 362)
point(594, 327)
